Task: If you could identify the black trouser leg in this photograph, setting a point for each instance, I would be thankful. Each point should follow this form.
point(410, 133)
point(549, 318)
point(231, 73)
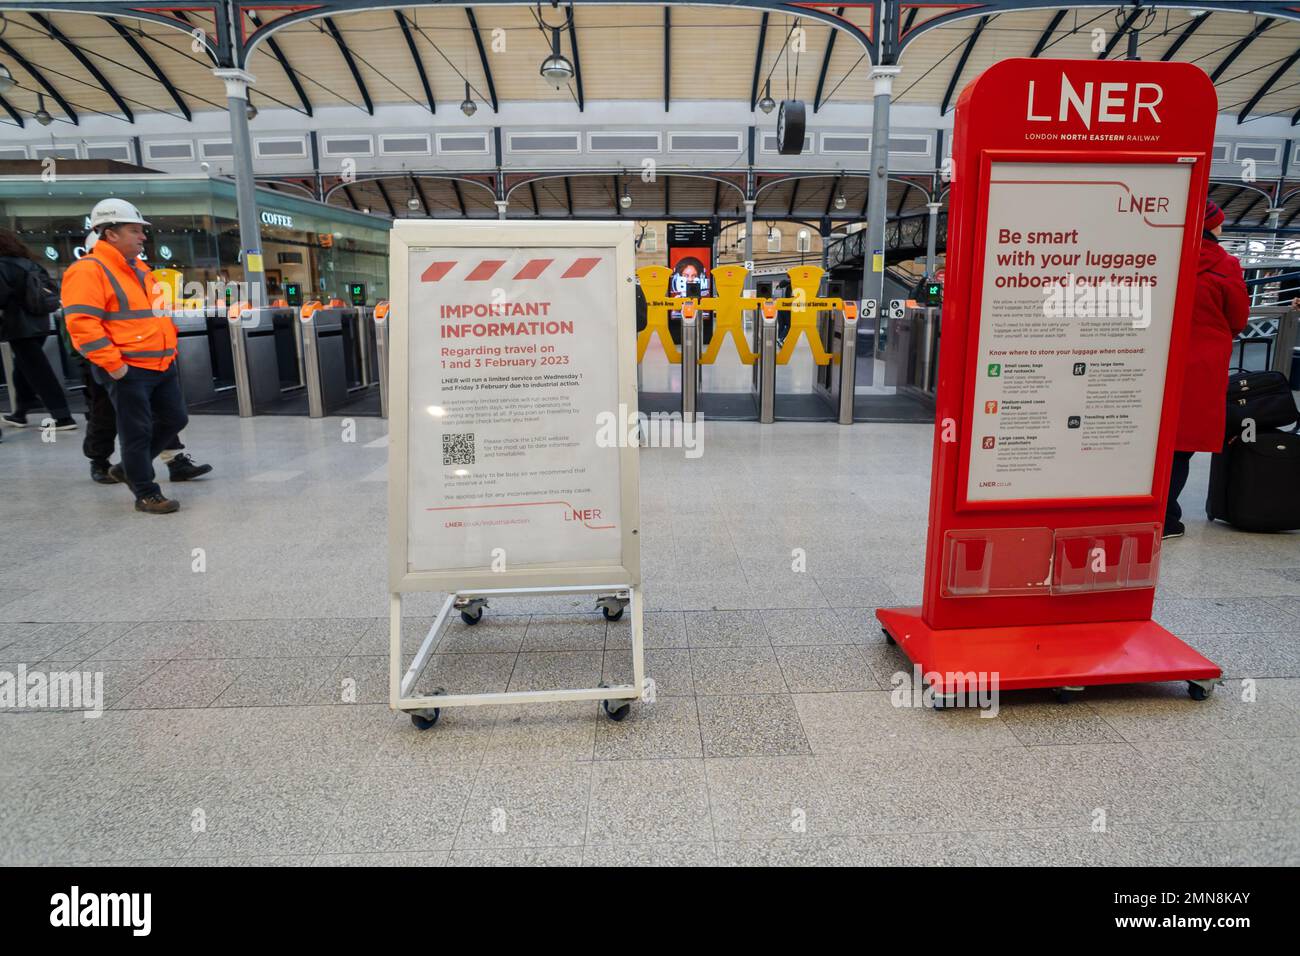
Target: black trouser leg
point(132, 400)
point(1177, 482)
point(169, 414)
point(32, 374)
point(101, 420)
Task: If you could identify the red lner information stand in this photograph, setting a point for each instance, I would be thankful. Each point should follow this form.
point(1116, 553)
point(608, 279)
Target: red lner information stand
point(1073, 181)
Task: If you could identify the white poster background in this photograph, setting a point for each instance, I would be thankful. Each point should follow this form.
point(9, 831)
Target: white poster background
point(538, 490)
point(1118, 398)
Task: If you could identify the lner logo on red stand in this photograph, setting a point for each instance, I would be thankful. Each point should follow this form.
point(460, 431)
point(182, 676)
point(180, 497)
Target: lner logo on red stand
point(1046, 511)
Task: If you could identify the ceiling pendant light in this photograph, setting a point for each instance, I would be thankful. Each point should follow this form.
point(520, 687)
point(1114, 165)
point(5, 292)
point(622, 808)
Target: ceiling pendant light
point(767, 104)
point(7, 80)
point(467, 105)
point(556, 68)
point(413, 204)
point(840, 201)
point(42, 114)
point(625, 200)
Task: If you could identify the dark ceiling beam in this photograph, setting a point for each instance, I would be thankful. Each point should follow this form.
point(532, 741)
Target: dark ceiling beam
point(1224, 205)
point(961, 63)
point(84, 60)
point(835, 191)
point(1240, 48)
point(826, 58)
point(460, 198)
point(794, 195)
point(482, 58)
point(668, 181)
point(717, 197)
point(532, 189)
point(352, 64)
point(8, 108)
point(758, 64)
point(907, 188)
point(424, 200)
point(379, 183)
point(1119, 34)
point(577, 61)
point(1184, 37)
point(347, 194)
point(1294, 212)
point(568, 196)
point(907, 24)
point(1046, 36)
point(154, 68)
point(289, 71)
point(618, 210)
point(415, 57)
point(1268, 85)
point(39, 77)
point(1247, 211)
point(668, 57)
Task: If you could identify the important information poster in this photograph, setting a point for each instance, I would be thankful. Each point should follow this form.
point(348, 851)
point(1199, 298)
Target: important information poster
point(512, 357)
point(1080, 273)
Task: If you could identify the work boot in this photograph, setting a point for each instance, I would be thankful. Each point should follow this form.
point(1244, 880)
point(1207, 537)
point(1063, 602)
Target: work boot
point(156, 504)
point(101, 472)
point(117, 473)
point(182, 468)
point(65, 424)
point(14, 419)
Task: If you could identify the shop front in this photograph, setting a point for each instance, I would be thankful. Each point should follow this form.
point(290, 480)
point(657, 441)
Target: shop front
point(310, 250)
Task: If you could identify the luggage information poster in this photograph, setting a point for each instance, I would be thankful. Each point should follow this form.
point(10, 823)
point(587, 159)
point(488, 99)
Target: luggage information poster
point(1080, 268)
point(511, 365)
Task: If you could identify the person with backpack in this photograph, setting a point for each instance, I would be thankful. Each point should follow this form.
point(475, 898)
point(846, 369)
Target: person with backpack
point(27, 297)
point(1219, 313)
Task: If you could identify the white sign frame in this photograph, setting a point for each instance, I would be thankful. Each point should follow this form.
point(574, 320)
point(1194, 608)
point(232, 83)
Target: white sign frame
point(619, 580)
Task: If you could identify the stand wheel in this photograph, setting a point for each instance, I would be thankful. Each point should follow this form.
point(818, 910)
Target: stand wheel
point(1063, 696)
point(1197, 691)
point(618, 711)
point(611, 615)
point(424, 723)
point(472, 619)
point(888, 637)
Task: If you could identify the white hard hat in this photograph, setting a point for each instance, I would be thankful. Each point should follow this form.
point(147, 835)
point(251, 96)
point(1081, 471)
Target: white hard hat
point(110, 211)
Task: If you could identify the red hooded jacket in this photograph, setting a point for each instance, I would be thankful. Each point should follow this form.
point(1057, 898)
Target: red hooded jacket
point(1218, 314)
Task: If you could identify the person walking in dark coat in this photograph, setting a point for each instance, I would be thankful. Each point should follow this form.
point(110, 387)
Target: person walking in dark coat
point(27, 297)
point(1219, 313)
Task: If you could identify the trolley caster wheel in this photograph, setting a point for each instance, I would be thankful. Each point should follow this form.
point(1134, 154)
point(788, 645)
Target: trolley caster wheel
point(1198, 691)
point(472, 619)
point(616, 712)
point(611, 616)
point(889, 639)
point(424, 723)
point(1062, 695)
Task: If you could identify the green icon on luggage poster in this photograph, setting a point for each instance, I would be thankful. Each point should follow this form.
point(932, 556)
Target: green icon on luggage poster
point(995, 370)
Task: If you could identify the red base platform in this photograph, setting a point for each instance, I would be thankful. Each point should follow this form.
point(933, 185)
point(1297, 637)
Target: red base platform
point(1048, 655)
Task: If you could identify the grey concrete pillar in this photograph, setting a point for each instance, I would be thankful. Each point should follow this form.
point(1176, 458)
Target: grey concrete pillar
point(749, 232)
point(250, 231)
point(931, 237)
point(502, 206)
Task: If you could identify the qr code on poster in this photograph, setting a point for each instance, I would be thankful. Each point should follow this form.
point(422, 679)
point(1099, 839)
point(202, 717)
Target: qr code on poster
point(458, 449)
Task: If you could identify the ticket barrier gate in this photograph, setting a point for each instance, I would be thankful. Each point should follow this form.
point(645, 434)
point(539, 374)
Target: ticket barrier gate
point(324, 356)
point(360, 359)
point(267, 381)
point(194, 354)
point(912, 352)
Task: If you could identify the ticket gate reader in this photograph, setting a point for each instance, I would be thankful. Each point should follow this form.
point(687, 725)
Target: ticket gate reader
point(381, 354)
point(324, 359)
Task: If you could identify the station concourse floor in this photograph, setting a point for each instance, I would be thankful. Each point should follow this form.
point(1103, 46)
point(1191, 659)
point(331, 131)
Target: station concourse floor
point(772, 739)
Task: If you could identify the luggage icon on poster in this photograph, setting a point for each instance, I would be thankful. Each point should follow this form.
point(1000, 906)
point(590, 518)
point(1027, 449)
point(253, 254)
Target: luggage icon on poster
point(990, 408)
point(1074, 421)
point(989, 441)
point(995, 370)
point(1080, 368)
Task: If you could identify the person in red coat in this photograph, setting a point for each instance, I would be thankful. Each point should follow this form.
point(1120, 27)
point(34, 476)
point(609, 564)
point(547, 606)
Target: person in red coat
point(1218, 315)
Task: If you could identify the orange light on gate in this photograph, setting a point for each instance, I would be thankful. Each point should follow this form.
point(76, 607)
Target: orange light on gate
point(769, 310)
point(381, 310)
point(688, 311)
point(850, 311)
point(309, 310)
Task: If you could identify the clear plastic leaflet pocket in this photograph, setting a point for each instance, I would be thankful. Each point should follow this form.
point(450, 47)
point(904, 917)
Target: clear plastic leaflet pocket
point(1009, 562)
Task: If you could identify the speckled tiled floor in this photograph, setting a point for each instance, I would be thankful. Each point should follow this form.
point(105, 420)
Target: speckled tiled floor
point(772, 739)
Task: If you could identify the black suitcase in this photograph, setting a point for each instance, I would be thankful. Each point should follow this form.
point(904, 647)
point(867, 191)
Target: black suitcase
point(1263, 397)
point(1255, 486)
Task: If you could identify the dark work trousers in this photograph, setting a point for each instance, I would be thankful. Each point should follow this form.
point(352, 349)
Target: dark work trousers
point(34, 379)
point(101, 421)
point(1177, 481)
point(150, 411)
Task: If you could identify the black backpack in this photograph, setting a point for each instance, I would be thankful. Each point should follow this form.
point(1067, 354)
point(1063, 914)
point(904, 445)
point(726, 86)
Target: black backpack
point(40, 295)
point(1263, 396)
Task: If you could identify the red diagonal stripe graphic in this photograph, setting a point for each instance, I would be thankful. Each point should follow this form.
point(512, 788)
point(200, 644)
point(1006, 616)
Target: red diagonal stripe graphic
point(436, 271)
point(533, 268)
point(485, 270)
point(580, 268)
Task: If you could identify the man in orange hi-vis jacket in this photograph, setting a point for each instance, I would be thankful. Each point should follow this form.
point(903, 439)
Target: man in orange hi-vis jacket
point(114, 311)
